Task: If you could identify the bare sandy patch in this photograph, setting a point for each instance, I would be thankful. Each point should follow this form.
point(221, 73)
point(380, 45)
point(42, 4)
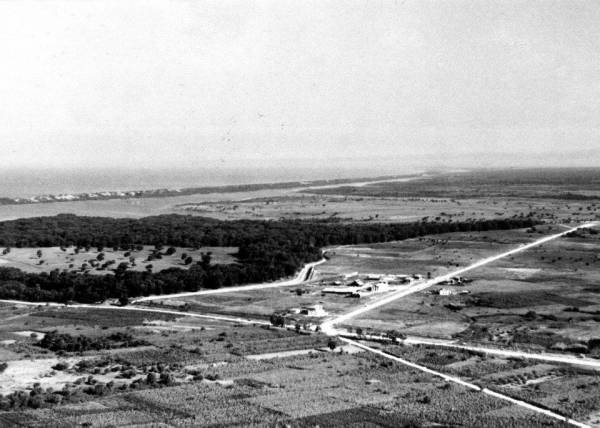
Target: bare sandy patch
point(30, 333)
point(22, 374)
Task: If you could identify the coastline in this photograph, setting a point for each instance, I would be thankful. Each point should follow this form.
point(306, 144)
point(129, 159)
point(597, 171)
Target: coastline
point(162, 193)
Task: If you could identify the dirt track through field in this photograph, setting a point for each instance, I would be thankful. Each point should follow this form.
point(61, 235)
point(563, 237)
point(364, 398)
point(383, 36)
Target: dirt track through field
point(328, 326)
point(138, 309)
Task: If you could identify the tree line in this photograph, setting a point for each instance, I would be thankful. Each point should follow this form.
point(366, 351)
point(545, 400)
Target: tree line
point(268, 250)
point(65, 342)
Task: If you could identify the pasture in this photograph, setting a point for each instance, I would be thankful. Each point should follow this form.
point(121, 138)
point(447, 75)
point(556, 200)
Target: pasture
point(91, 260)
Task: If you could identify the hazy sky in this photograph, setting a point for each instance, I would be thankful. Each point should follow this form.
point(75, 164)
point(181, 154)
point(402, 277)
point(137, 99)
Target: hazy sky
point(147, 83)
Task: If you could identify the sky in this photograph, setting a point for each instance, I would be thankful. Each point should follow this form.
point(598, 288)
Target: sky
point(187, 83)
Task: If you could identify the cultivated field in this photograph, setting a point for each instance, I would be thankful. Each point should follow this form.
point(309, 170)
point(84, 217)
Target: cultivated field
point(195, 373)
point(572, 392)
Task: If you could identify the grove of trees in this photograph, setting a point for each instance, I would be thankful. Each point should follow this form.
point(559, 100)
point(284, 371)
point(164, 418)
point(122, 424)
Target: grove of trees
point(268, 250)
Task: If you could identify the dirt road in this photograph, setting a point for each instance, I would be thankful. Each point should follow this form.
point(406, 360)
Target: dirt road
point(300, 278)
point(466, 384)
point(328, 326)
point(138, 309)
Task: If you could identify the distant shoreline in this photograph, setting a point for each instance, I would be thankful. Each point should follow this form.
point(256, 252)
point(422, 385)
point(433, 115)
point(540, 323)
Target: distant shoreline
point(154, 193)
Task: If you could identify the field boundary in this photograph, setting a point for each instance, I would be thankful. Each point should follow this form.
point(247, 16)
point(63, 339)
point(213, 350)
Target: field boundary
point(469, 385)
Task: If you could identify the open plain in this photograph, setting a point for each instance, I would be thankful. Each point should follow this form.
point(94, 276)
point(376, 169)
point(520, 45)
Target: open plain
point(512, 341)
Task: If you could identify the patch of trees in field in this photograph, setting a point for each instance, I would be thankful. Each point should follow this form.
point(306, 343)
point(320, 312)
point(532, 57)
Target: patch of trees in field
point(268, 250)
point(88, 387)
point(64, 342)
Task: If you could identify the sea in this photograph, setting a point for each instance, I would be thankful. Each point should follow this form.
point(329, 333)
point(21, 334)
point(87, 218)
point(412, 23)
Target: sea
point(30, 182)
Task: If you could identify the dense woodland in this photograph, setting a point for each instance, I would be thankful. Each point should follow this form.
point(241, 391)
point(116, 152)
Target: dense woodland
point(268, 250)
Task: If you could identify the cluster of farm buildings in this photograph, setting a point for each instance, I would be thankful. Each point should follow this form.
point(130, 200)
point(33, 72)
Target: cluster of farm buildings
point(355, 285)
point(362, 285)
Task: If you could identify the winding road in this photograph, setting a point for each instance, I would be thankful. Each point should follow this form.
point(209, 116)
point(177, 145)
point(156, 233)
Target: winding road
point(304, 275)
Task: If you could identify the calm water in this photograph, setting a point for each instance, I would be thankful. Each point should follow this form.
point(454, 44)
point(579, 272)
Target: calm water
point(26, 183)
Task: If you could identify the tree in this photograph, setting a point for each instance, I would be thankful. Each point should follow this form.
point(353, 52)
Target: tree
point(332, 343)
point(39, 254)
point(188, 260)
point(277, 319)
point(395, 335)
point(121, 269)
point(35, 402)
point(206, 258)
point(194, 278)
point(167, 379)
point(151, 379)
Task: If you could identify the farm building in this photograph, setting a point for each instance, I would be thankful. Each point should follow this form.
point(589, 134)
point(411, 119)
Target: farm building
point(455, 280)
point(372, 289)
point(340, 290)
point(313, 311)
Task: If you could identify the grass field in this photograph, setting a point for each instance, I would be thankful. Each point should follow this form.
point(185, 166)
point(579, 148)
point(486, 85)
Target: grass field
point(434, 254)
point(50, 258)
point(262, 303)
point(544, 298)
point(381, 202)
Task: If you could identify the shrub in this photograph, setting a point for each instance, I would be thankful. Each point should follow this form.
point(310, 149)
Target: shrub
point(60, 366)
